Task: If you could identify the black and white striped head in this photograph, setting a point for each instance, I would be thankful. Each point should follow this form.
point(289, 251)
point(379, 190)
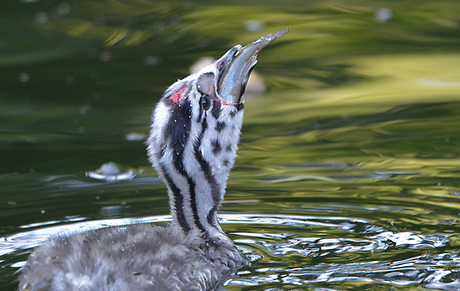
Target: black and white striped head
point(195, 132)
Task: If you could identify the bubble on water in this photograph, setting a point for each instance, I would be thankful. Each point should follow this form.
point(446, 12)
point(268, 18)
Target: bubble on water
point(254, 25)
point(111, 172)
point(61, 10)
point(152, 60)
point(105, 56)
point(24, 77)
point(135, 136)
point(41, 17)
point(85, 108)
point(383, 15)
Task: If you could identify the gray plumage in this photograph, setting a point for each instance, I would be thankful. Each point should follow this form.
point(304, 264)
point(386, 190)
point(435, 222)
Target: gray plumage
point(119, 258)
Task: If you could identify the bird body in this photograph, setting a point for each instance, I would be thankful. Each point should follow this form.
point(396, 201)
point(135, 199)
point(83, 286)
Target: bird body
point(135, 257)
point(192, 143)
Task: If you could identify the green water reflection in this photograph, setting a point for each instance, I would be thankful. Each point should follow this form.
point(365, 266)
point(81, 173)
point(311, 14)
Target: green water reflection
point(360, 119)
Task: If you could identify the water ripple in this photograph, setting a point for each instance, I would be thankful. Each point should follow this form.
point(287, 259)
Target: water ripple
point(424, 270)
point(290, 255)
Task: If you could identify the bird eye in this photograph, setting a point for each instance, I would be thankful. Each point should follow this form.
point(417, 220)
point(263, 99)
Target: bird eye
point(205, 102)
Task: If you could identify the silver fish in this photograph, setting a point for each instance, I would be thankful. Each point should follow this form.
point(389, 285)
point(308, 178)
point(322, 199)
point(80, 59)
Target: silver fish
point(233, 80)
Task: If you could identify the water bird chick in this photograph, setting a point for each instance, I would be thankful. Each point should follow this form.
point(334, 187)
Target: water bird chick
point(193, 142)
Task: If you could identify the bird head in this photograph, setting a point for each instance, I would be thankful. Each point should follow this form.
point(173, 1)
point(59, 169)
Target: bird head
point(195, 133)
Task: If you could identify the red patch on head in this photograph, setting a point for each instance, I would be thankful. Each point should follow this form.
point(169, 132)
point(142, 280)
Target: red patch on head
point(175, 98)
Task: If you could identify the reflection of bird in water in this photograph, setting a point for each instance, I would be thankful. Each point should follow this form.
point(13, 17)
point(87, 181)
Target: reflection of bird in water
point(192, 143)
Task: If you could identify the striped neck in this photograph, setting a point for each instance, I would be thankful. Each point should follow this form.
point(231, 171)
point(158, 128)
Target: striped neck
point(193, 145)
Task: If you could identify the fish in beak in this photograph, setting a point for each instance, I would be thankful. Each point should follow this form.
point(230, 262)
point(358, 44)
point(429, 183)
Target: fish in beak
point(236, 65)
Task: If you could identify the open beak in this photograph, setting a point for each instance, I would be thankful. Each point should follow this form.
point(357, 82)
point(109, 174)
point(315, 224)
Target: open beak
point(236, 65)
